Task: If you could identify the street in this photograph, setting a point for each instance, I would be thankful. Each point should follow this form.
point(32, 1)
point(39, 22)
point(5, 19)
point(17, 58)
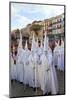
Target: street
point(19, 90)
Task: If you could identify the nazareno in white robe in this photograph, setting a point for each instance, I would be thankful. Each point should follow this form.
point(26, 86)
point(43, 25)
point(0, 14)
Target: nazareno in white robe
point(48, 78)
point(33, 70)
point(20, 66)
point(54, 81)
point(39, 53)
point(44, 78)
point(26, 67)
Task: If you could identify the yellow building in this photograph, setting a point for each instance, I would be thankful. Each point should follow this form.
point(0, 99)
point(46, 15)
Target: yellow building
point(54, 27)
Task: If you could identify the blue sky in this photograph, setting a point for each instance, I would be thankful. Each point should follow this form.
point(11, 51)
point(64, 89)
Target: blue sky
point(23, 14)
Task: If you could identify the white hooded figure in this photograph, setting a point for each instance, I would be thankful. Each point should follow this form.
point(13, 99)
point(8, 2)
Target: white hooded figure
point(53, 75)
point(26, 65)
point(39, 53)
point(33, 70)
point(48, 73)
point(20, 60)
point(45, 73)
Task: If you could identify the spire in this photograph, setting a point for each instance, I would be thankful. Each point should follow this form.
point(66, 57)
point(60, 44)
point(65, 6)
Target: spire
point(37, 43)
point(33, 44)
point(45, 43)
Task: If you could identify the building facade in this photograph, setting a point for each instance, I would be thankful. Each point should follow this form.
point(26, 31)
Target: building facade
point(55, 26)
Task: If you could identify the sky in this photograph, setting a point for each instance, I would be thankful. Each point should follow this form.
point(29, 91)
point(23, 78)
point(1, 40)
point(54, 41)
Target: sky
point(23, 14)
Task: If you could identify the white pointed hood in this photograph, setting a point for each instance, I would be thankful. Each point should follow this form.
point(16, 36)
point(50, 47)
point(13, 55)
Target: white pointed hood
point(37, 43)
point(20, 41)
point(33, 47)
point(26, 46)
point(20, 47)
point(45, 42)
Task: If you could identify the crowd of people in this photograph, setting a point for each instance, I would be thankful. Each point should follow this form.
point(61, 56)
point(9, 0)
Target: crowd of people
point(36, 67)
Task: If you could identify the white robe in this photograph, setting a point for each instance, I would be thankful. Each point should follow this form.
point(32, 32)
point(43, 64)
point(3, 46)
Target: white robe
point(33, 70)
point(39, 53)
point(53, 80)
point(44, 78)
point(13, 69)
point(26, 67)
point(20, 66)
point(48, 79)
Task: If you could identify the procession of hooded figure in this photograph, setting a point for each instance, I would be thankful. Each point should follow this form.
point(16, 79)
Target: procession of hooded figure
point(36, 67)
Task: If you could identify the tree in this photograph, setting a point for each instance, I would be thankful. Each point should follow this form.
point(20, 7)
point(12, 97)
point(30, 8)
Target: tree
point(36, 28)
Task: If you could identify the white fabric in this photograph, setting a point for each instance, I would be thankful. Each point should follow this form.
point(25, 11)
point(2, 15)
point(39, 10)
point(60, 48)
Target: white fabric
point(54, 81)
point(33, 59)
point(44, 74)
point(40, 50)
point(36, 67)
point(20, 60)
point(33, 48)
point(48, 77)
point(26, 67)
point(13, 69)
point(20, 66)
